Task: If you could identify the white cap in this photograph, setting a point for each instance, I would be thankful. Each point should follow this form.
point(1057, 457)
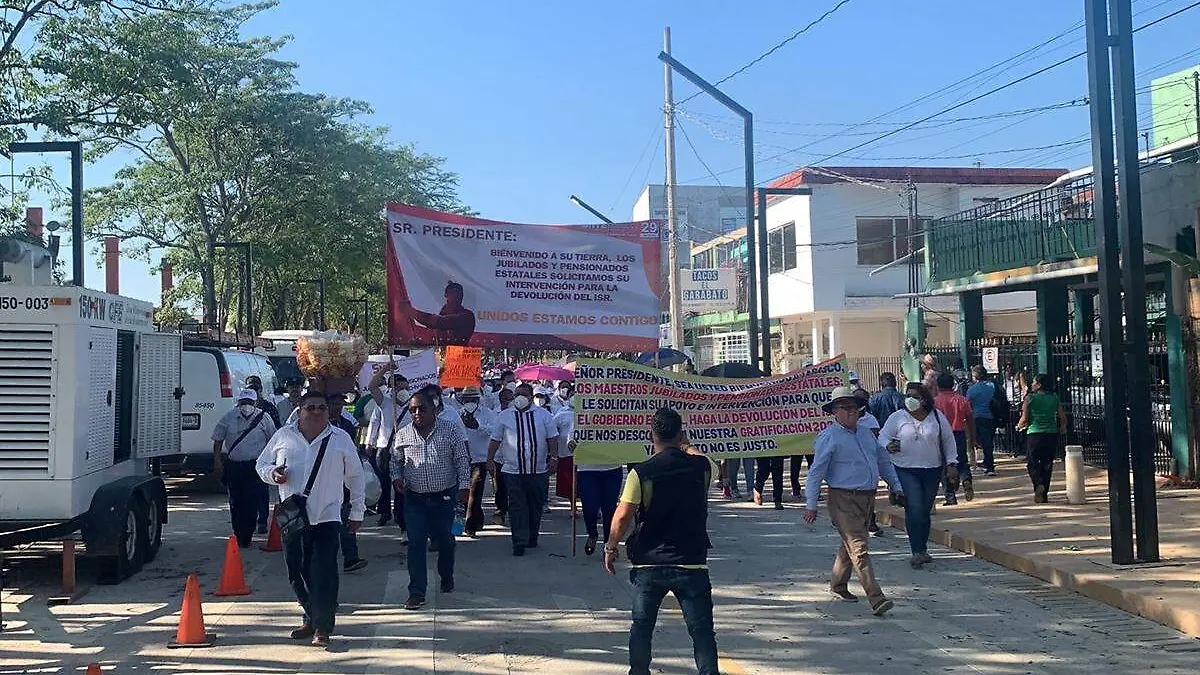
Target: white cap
point(247, 394)
point(853, 376)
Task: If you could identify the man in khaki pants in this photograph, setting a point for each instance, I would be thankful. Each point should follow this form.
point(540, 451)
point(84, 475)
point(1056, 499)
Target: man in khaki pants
point(850, 461)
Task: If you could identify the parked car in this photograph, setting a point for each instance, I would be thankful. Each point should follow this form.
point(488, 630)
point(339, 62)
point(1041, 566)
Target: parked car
point(211, 378)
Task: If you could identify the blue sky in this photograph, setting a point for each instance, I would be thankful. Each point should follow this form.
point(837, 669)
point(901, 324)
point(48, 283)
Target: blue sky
point(530, 102)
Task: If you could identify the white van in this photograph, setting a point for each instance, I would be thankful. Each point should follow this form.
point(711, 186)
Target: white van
point(211, 378)
point(282, 354)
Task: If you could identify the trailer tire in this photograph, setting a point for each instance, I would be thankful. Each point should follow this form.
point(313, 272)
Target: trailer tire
point(156, 509)
point(131, 544)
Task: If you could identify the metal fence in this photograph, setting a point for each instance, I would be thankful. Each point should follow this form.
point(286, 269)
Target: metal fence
point(870, 368)
point(1082, 393)
point(1047, 225)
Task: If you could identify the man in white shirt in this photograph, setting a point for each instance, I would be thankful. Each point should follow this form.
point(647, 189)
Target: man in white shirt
point(311, 555)
point(479, 421)
point(238, 439)
point(525, 439)
point(380, 433)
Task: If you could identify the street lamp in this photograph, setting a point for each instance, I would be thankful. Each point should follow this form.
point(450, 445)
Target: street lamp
point(76, 150)
point(588, 207)
point(756, 277)
point(320, 283)
point(366, 320)
point(246, 306)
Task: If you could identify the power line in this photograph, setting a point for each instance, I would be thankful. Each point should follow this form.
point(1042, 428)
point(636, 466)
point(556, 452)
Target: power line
point(985, 94)
point(774, 49)
point(654, 134)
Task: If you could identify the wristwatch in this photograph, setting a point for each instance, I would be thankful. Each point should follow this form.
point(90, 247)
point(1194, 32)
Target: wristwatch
point(610, 550)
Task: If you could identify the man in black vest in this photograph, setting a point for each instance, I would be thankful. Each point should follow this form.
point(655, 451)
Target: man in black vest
point(669, 546)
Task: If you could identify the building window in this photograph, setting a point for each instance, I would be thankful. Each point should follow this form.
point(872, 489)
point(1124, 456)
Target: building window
point(781, 249)
point(882, 240)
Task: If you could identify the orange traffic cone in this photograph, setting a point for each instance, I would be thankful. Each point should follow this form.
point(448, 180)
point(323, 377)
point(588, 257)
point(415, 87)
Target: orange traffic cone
point(233, 576)
point(191, 631)
point(93, 669)
point(274, 539)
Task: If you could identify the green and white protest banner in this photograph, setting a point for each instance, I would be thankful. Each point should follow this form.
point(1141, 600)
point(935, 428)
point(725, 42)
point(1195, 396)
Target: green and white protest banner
point(723, 418)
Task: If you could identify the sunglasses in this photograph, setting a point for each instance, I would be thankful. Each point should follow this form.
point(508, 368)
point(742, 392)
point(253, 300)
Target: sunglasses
point(315, 408)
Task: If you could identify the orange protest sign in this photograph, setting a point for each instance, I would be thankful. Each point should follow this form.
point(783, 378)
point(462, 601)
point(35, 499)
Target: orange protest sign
point(462, 367)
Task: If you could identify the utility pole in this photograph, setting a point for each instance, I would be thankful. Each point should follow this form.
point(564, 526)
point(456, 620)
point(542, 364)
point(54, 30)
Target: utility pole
point(914, 273)
point(1133, 271)
point(676, 306)
point(1112, 337)
point(1196, 100)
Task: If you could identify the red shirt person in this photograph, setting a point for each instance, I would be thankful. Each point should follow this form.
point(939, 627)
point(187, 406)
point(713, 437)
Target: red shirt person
point(957, 409)
point(453, 325)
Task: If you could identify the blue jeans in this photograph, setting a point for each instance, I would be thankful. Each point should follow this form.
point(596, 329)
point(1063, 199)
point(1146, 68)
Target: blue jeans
point(694, 593)
point(920, 491)
point(599, 491)
point(985, 427)
point(746, 463)
point(311, 558)
point(429, 515)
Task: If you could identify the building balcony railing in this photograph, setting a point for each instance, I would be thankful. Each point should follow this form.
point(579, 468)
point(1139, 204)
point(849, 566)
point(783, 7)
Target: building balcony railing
point(1054, 224)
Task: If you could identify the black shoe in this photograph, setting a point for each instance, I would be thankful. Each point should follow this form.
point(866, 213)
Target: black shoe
point(303, 632)
point(778, 506)
point(518, 551)
point(414, 602)
point(448, 586)
point(354, 565)
point(245, 543)
point(532, 544)
point(952, 500)
point(875, 531)
point(384, 520)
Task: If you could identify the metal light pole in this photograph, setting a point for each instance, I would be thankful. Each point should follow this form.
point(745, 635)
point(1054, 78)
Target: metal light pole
point(247, 305)
point(365, 318)
point(320, 283)
point(1133, 268)
point(588, 207)
point(765, 311)
point(752, 276)
point(1126, 390)
point(76, 150)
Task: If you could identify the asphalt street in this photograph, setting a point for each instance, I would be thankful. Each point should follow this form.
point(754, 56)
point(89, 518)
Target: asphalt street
point(549, 612)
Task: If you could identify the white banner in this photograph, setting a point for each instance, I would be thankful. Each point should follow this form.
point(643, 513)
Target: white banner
point(709, 290)
point(454, 280)
point(420, 369)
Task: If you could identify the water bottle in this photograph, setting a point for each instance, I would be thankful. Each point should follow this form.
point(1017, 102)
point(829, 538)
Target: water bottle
point(459, 525)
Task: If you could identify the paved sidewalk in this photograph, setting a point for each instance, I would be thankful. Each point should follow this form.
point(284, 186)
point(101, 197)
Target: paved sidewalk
point(1068, 545)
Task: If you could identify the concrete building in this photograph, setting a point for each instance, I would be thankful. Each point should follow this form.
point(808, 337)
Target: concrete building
point(822, 249)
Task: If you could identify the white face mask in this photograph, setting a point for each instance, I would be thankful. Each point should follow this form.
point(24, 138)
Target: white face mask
point(564, 394)
point(511, 386)
point(913, 404)
point(247, 409)
point(471, 407)
point(521, 402)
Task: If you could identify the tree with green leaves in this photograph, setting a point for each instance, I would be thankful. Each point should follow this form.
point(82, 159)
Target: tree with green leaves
point(225, 149)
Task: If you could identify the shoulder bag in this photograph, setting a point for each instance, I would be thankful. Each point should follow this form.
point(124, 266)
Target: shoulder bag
point(292, 514)
point(253, 425)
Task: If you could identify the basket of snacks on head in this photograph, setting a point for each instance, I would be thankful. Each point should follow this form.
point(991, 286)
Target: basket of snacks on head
point(331, 360)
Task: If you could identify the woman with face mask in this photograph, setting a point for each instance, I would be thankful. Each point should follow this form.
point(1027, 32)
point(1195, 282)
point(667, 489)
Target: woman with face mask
point(921, 444)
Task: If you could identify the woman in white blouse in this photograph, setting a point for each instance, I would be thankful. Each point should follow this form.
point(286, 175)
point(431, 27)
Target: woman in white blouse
point(921, 444)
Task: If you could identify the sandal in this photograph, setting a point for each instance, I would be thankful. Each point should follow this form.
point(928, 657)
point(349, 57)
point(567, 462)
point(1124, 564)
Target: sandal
point(590, 547)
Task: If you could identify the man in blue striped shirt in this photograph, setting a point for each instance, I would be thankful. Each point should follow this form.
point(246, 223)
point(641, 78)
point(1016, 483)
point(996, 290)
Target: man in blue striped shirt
point(850, 461)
